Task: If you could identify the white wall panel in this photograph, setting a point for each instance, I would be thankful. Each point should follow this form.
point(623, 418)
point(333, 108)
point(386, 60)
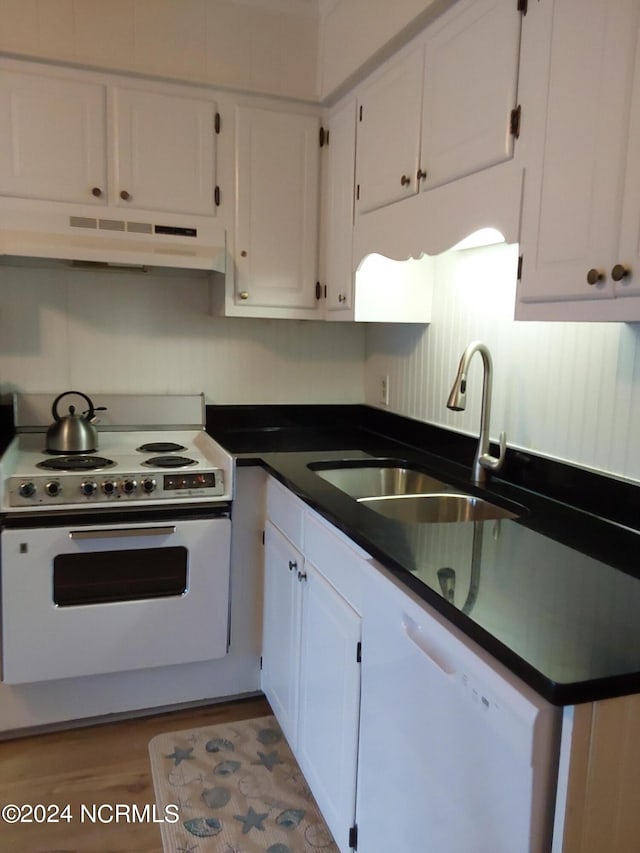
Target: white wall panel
point(105, 332)
point(272, 49)
point(565, 390)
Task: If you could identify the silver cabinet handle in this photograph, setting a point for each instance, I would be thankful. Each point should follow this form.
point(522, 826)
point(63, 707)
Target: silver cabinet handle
point(164, 530)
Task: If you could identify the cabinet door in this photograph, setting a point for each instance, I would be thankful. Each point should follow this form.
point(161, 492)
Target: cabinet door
point(467, 104)
point(629, 245)
point(573, 190)
point(389, 134)
point(329, 702)
point(338, 208)
point(281, 630)
point(165, 152)
point(277, 180)
point(52, 138)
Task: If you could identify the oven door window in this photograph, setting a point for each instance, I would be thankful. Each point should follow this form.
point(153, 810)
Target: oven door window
point(125, 575)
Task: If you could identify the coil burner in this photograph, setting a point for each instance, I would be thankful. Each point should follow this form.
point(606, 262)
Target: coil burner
point(169, 462)
point(160, 447)
point(75, 463)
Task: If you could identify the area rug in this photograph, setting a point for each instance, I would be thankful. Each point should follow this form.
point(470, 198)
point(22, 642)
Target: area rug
point(234, 788)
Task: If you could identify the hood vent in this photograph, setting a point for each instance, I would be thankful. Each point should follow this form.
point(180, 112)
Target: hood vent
point(165, 241)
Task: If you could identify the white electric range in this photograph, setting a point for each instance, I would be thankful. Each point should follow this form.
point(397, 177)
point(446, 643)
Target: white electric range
point(151, 450)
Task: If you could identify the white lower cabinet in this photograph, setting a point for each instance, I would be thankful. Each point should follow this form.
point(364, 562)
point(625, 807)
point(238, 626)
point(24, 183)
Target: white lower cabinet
point(281, 630)
point(329, 704)
point(311, 654)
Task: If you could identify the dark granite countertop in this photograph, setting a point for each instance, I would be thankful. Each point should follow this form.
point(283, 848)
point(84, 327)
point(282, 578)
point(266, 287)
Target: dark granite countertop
point(553, 594)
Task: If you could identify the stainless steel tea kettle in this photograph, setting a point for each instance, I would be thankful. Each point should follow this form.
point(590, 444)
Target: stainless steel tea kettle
point(73, 433)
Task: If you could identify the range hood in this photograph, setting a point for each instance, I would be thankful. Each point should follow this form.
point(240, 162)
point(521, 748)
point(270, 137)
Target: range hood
point(109, 237)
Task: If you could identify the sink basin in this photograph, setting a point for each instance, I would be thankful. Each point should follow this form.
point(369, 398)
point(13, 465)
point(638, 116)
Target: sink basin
point(373, 481)
point(408, 495)
point(436, 508)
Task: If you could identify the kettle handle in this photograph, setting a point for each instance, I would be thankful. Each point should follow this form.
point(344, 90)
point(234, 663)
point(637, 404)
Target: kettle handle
point(54, 407)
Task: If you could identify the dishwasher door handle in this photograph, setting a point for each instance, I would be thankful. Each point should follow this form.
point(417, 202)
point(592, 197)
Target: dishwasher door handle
point(160, 530)
point(434, 655)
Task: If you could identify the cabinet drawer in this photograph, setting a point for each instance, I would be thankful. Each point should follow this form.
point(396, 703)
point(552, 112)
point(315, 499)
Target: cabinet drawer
point(338, 559)
point(285, 511)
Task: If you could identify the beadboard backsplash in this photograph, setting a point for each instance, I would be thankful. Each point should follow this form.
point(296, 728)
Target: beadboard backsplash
point(130, 333)
point(569, 391)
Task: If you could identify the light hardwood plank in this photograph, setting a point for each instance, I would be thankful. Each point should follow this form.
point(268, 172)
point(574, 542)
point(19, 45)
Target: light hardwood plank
point(101, 764)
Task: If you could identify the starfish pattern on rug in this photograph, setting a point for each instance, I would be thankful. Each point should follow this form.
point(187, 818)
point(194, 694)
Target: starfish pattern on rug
point(252, 820)
point(179, 755)
point(268, 760)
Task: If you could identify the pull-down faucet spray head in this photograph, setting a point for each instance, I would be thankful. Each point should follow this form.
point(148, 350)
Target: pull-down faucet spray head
point(457, 401)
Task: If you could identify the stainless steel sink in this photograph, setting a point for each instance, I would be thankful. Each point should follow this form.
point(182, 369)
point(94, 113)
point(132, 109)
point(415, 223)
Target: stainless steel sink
point(408, 495)
point(436, 508)
point(379, 481)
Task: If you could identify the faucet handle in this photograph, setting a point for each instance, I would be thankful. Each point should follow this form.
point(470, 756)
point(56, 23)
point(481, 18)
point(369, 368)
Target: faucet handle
point(495, 463)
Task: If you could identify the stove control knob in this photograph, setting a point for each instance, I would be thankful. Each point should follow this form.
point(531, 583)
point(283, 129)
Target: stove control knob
point(129, 486)
point(53, 488)
point(27, 490)
point(109, 487)
point(148, 485)
point(88, 488)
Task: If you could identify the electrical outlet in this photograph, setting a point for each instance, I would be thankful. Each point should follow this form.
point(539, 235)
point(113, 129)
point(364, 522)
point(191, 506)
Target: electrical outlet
point(384, 390)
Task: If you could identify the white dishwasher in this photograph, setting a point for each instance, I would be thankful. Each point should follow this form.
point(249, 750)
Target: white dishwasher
point(457, 755)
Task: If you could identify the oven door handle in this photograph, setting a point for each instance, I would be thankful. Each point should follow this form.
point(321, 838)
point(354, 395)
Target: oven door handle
point(160, 530)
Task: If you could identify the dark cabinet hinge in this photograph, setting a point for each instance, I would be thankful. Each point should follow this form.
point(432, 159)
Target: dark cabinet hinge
point(260, 661)
point(522, 6)
point(263, 537)
point(216, 196)
point(360, 112)
point(217, 123)
point(358, 192)
point(318, 290)
point(353, 837)
point(515, 121)
point(520, 268)
point(359, 652)
point(323, 137)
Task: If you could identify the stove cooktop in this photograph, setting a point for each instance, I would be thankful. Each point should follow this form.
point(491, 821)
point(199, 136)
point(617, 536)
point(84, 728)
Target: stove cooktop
point(150, 466)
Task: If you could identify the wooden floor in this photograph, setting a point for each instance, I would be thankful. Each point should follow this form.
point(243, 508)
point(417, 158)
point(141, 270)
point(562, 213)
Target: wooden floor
point(103, 764)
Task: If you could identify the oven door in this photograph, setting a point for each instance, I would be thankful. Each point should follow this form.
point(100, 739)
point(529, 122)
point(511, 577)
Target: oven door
point(92, 599)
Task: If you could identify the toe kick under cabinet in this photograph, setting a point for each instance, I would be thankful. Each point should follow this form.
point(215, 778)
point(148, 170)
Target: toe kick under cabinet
point(410, 736)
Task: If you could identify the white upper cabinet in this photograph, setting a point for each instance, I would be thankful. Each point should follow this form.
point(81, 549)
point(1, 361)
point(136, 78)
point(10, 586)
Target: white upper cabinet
point(337, 207)
point(164, 152)
point(470, 90)
point(444, 108)
point(380, 290)
point(581, 211)
point(78, 138)
point(52, 138)
point(277, 213)
point(389, 133)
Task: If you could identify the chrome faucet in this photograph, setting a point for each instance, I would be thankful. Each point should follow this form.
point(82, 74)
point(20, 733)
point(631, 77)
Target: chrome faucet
point(483, 460)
